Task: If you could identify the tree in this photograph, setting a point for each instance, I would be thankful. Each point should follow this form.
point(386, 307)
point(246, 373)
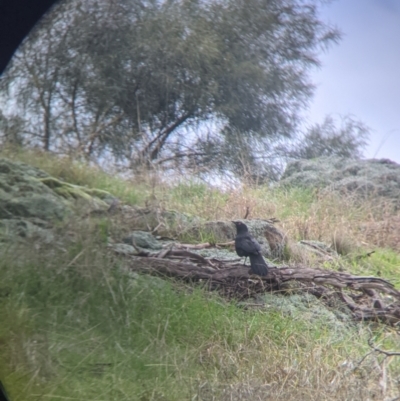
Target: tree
point(11, 129)
point(174, 83)
point(346, 138)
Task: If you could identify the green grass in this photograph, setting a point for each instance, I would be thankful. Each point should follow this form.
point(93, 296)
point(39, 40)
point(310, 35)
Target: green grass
point(383, 263)
point(76, 324)
point(292, 201)
point(80, 173)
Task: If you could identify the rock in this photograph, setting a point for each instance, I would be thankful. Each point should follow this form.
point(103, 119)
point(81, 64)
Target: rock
point(308, 308)
point(30, 199)
point(20, 169)
point(20, 228)
point(89, 200)
point(221, 254)
point(123, 249)
point(22, 194)
point(364, 177)
point(43, 207)
point(143, 239)
point(272, 241)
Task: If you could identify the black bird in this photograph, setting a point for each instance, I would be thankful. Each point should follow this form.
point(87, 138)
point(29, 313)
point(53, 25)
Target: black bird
point(246, 245)
point(3, 393)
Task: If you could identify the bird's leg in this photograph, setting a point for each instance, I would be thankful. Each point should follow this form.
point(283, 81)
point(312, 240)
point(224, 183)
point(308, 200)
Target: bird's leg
point(244, 260)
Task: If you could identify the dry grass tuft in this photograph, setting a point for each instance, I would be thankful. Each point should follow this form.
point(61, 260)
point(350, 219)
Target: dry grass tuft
point(384, 233)
point(340, 220)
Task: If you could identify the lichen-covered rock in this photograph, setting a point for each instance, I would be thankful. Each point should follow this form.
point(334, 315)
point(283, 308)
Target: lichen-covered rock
point(142, 239)
point(272, 241)
point(308, 308)
point(29, 196)
point(20, 169)
point(24, 229)
point(123, 249)
point(364, 177)
point(22, 194)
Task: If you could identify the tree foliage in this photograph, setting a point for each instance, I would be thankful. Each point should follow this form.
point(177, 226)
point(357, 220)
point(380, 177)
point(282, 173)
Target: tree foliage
point(176, 83)
point(344, 138)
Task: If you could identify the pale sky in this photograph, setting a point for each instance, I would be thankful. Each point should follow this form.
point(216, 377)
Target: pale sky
point(361, 75)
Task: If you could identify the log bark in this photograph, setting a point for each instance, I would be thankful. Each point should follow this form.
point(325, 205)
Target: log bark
point(368, 298)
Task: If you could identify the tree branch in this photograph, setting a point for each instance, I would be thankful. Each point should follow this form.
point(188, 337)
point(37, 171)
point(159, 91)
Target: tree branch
point(161, 138)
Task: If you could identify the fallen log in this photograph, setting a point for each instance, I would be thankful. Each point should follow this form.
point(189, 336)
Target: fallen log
point(368, 298)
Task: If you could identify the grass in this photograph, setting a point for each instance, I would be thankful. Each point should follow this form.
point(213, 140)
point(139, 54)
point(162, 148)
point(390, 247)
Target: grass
point(383, 263)
point(79, 173)
point(76, 324)
point(303, 213)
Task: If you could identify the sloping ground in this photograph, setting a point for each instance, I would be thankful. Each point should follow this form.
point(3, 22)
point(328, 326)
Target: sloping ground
point(82, 323)
point(31, 200)
point(363, 178)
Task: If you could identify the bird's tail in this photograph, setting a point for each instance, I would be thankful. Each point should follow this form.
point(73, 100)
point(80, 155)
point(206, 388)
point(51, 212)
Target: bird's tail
point(3, 393)
point(258, 265)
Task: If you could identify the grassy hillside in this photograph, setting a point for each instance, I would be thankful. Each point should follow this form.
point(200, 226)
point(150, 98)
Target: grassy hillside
point(77, 325)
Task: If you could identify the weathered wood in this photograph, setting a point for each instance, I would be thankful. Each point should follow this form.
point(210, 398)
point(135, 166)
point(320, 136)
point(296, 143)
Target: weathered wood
point(368, 298)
